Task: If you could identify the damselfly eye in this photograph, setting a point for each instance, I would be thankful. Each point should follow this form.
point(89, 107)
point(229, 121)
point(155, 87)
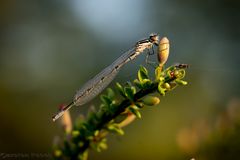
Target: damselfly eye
point(154, 38)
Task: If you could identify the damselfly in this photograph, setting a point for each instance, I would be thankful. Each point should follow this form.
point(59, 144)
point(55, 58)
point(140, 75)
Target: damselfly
point(98, 83)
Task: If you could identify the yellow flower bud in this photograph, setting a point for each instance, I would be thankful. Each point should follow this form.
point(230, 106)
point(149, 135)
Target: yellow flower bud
point(163, 51)
point(57, 153)
point(130, 117)
point(151, 100)
point(66, 121)
point(167, 85)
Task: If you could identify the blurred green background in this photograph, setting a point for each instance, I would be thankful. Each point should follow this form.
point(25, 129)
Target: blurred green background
point(49, 49)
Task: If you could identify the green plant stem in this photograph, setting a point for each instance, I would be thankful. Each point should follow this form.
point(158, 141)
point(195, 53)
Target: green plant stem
point(106, 118)
point(91, 132)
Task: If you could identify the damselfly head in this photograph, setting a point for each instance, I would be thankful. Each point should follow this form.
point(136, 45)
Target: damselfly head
point(154, 38)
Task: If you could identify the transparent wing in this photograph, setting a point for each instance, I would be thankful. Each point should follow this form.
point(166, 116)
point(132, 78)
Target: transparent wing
point(98, 83)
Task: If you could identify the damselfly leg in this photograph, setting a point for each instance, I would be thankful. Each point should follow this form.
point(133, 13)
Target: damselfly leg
point(147, 61)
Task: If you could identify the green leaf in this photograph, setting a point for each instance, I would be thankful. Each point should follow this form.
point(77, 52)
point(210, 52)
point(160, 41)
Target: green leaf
point(102, 145)
point(90, 138)
point(142, 73)
point(81, 144)
point(158, 72)
point(106, 100)
point(115, 129)
point(135, 110)
point(103, 107)
point(129, 84)
point(120, 89)
point(139, 104)
point(129, 93)
point(133, 90)
point(57, 153)
point(110, 93)
point(138, 84)
point(96, 133)
point(83, 156)
point(161, 90)
point(161, 79)
point(146, 83)
point(95, 147)
point(112, 107)
point(75, 133)
point(99, 145)
point(181, 82)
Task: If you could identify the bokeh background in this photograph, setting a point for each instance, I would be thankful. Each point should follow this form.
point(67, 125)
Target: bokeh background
point(48, 49)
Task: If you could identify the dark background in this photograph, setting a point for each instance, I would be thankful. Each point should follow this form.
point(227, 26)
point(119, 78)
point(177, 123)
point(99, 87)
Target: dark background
point(48, 49)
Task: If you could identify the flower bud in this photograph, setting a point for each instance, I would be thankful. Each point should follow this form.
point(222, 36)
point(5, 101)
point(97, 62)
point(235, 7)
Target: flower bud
point(181, 82)
point(163, 50)
point(57, 153)
point(151, 100)
point(167, 85)
point(66, 121)
point(130, 117)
